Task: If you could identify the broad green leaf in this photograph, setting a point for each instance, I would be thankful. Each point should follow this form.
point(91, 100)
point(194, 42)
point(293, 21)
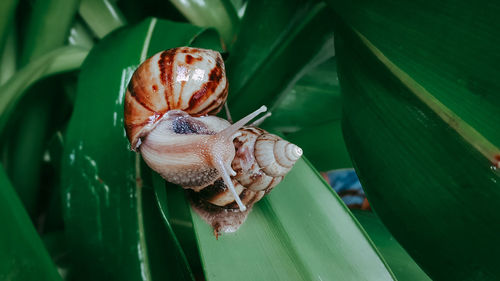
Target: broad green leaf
point(400, 262)
point(102, 16)
point(219, 14)
point(277, 40)
point(300, 231)
point(113, 225)
point(48, 27)
point(22, 254)
point(305, 104)
point(421, 114)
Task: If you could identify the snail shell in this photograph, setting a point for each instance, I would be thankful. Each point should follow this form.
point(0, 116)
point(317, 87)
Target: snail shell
point(189, 79)
point(261, 161)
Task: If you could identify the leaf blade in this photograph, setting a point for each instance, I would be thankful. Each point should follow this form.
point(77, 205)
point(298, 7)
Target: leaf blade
point(23, 254)
point(403, 150)
point(109, 201)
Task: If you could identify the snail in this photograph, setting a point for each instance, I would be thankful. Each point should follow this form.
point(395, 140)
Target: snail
point(261, 161)
point(163, 98)
point(169, 111)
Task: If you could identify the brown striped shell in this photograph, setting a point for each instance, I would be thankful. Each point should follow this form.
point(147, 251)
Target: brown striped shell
point(189, 79)
point(261, 161)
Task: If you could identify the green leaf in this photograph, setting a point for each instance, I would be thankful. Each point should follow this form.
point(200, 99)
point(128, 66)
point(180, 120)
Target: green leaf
point(24, 126)
point(305, 104)
point(8, 57)
point(33, 121)
point(293, 233)
point(291, 34)
point(7, 13)
point(80, 35)
point(113, 225)
point(60, 60)
point(240, 6)
point(400, 262)
point(102, 16)
point(219, 14)
point(420, 96)
point(300, 115)
point(300, 231)
point(48, 27)
point(22, 255)
point(323, 145)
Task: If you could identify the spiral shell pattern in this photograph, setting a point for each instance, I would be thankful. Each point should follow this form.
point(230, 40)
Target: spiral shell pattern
point(189, 79)
point(261, 161)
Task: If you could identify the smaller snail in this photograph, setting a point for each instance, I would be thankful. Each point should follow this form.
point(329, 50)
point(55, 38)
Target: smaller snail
point(261, 161)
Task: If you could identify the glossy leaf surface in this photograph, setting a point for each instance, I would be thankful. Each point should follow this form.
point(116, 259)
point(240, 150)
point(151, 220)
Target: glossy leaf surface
point(400, 262)
point(113, 225)
point(60, 60)
point(300, 114)
point(272, 58)
point(22, 252)
point(48, 27)
point(305, 104)
point(323, 145)
point(219, 14)
point(300, 231)
point(421, 115)
point(7, 12)
point(101, 16)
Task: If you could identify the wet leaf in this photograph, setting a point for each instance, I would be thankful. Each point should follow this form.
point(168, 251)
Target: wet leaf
point(300, 231)
point(113, 225)
point(23, 255)
point(400, 262)
point(285, 29)
point(420, 118)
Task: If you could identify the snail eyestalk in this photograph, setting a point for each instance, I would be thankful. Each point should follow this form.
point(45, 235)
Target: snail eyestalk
point(233, 129)
point(229, 183)
point(261, 119)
